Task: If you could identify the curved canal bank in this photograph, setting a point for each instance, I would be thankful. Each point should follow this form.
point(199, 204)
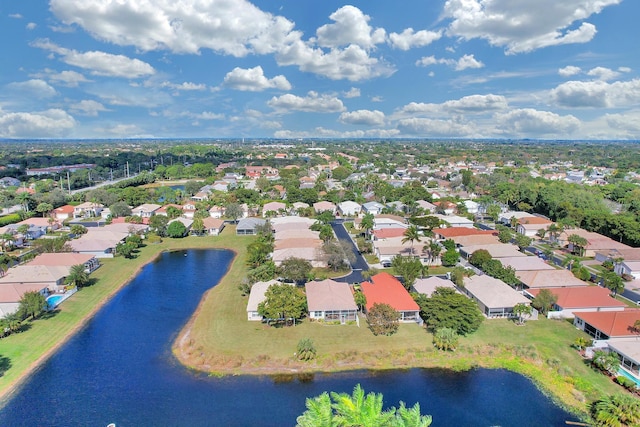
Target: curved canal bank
point(119, 368)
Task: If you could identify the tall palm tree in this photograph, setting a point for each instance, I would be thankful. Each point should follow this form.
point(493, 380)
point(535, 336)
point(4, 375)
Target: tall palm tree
point(78, 276)
point(360, 410)
point(319, 413)
point(411, 234)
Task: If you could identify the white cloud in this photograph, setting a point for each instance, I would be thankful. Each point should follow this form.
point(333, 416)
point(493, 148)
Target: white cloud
point(351, 27)
point(434, 128)
point(184, 86)
point(88, 107)
point(569, 70)
point(51, 123)
point(68, 78)
point(31, 26)
point(121, 130)
point(472, 104)
point(410, 38)
point(523, 26)
point(466, 61)
point(35, 88)
point(312, 103)
point(354, 92)
point(597, 94)
point(321, 132)
point(529, 122)
point(628, 123)
point(363, 117)
point(99, 63)
point(15, 16)
point(254, 80)
point(624, 69)
point(602, 73)
point(125, 95)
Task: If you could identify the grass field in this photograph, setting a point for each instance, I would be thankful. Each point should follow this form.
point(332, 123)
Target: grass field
point(220, 340)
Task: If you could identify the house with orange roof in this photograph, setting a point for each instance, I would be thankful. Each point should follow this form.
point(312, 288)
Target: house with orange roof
point(579, 300)
point(63, 212)
point(529, 226)
point(330, 301)
point(453, 232)
point(383, 288)
point(603, 325)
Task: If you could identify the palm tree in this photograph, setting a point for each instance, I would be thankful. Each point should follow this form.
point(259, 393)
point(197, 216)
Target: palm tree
point(77, 276)
point(319, 413)
point(616, 410)
point(579, 243)
point(411, 234)
point(24, 198)
point(358, 410)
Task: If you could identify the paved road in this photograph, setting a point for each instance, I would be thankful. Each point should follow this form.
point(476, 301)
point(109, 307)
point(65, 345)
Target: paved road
point(360, 263)
point(102, 184)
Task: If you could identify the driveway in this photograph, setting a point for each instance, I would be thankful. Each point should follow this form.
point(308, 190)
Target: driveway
point(360, 263)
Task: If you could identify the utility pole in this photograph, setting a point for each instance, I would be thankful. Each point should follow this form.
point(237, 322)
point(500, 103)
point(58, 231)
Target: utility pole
point(127, 169)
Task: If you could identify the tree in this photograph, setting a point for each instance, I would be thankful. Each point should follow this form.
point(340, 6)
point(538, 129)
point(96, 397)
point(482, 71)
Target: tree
point(295, 269)
point(612, 281)
point(411, 234)
point(458, 274)
point(433, 249)
point(198, 227)
point(505, 235)
point(544, 300)
point(579, 243)
point(337, 253)
point(618, 410)
point(446, 308)
point(494, 210)
point(77, 276)
point(358, 410)
point(24, 198)
point(450, 258)
point(176, 230)
point(55, 245)
point(383, 319)
point(173, 212)
point(479, 257)
point(258, 252)
point(306, 350)
point(120, 209)
point(523, 311)
point(367, 223)
point(158, 223)
point(541, 233)
point(408, 267)
point(606, 361)
point(445, 339)
point(44, 208)
point(360, 299)
point(78, 230)
point(233, 211)
point(522, 241)
point(127, 250)
point(282, 303)
point(32, 303)
point(263, 272)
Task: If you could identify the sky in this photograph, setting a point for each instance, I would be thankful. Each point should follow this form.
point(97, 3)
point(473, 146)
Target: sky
point(543, 69)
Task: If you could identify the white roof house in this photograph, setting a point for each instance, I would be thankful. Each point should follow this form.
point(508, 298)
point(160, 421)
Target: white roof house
point(428, 285)
point(330, 300)
point(494, 297)
point(349, 208)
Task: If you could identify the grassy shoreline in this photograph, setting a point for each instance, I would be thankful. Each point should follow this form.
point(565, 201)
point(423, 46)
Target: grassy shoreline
point(218, 338)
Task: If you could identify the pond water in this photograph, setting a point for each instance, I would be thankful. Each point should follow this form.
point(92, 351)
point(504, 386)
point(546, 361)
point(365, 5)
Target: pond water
point(119, 369)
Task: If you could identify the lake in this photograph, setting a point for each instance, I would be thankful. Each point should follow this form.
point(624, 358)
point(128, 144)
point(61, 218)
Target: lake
point(120, 369)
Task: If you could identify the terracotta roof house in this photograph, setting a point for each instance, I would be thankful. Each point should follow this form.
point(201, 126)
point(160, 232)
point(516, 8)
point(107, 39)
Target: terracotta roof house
point(330, 301)
point(67, 259)
point(256, 296)
point(324, 206)
point(453, 232)
point(627, 254)
point(383, 288)
point(579, 299)
point(388, 233)
point(595, 242)
point(63, 212)
point(603, 325)
point(216, 212)
point(214, 226)
point(548, 279)
point(529, 226)
point(248, 225)
point(428, 285)
point(291, 222)
point(495, 298)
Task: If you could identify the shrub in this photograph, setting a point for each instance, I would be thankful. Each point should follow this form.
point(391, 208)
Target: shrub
point(383, 319)
point(306, 350)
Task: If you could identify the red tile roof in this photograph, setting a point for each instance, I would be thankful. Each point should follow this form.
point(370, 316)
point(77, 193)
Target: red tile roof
point(386, 233)
point(386, 289)
point(582, 297)
point(613, 323)
point(534, 220)
point(66, 209)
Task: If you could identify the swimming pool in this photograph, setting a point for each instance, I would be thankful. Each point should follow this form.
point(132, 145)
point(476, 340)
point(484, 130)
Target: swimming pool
point(626, 374)
point(54, 300)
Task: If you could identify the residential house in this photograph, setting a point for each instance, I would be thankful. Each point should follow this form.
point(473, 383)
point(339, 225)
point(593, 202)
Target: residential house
point(373, 208)
point(9, 181)
point(531, 225)
point(87, 210)
point(49, 276)
point(446, 207)
point(249, 225)
point(595, 242)
point(604, 325)
point(579, 299)
point(455, 232)
point(324, 206)
point(257, 296)
point(99, 242)
point(63, 212)
point(628, 351)
point(548, 279)
point(495, 298)
point(455, 220)
point(213, 226)
point(428, 285)
point(505, 217)
point(67, 259)
point(200, 196)
point(11, 294)
point(496, 250)
point(273, 209)
point(329, 300)
point(383, 288)
point(426, 206)
point(146, 210)
point(349, 208)
point(188, 209)
point(187, 222)
point(527, 263)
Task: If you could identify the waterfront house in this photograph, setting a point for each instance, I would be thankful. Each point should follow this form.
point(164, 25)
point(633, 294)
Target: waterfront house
point(603, 325)
point(495, 298)
point(249, 225)
point(213, 226)
point(330, 301)
point(256, 296)
point(67, 259)
point(383, 288)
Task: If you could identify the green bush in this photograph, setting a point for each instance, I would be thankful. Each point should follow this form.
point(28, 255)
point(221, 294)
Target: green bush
point(10, 219)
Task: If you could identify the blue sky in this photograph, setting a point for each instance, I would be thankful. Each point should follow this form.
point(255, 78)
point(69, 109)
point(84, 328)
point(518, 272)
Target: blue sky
point(298, 68)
